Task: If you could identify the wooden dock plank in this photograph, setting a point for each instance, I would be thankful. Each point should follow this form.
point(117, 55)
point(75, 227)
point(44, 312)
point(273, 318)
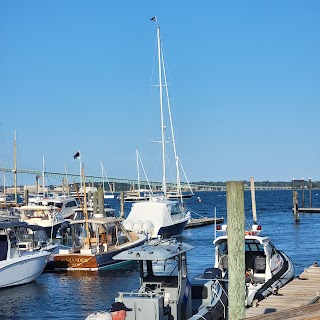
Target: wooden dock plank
point(302, 291)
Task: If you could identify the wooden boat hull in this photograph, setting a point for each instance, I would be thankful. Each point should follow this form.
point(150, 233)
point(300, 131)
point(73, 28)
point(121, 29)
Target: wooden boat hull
point(88, 262)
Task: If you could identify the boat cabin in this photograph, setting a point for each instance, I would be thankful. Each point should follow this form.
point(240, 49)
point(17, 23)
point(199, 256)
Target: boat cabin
point(164, 287)
point(261, 257)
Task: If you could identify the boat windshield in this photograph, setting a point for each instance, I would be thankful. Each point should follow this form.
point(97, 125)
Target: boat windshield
point(175, 209)
point(164, 272)
point(252, 245)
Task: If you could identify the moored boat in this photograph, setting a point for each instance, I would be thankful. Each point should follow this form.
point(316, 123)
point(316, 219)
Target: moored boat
point(94, 242)
point(267, 268)
point(47, 217)
point(65, 205)
point(18, 266)
point(157, 216)
point(165, 290)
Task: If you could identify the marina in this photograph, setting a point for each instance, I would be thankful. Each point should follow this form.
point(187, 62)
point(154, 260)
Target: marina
point(79, 293)
point(89, 83)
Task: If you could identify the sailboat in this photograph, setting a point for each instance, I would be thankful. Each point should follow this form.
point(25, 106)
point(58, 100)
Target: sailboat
point(140, 193)
point(175, 193)
point(106, 195)
point(159, 215)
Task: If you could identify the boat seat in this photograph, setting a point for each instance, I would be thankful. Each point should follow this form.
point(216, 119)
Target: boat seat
point(223, 264)
point(3, 247)
point(259, 265)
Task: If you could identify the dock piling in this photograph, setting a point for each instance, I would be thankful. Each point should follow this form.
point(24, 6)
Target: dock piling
point(236, 261)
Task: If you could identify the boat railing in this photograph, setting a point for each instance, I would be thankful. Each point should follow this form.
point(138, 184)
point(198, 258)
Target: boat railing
point(217, 284)
point(144, 292)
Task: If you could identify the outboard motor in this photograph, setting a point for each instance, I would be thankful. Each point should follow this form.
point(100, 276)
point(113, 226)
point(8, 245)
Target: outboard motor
point(212, 273)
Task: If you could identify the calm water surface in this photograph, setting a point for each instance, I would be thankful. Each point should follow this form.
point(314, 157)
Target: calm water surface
point(73, 295)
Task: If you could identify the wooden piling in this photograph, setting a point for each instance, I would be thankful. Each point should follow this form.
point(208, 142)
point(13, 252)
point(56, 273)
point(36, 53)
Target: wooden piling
point(310, 193)
point(100, 200)
point(95, 202)
point(295, 207)
point(253, 201)
point(302, 195)
point(26, 197)
point(236, 261)
point(122, 204)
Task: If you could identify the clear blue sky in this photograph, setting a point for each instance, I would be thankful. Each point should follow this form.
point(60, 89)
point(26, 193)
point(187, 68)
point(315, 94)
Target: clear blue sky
point(245, 75)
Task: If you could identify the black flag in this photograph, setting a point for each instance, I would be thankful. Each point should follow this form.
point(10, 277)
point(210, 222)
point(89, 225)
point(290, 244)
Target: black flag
point(76, 156)
point(153, 19)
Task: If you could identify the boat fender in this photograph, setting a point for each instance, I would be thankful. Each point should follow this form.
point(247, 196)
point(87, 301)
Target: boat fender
point(148, 227)
point(128, 225)
point(137, 227)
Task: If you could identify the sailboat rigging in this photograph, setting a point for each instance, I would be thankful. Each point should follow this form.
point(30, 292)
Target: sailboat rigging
point(159, 215)
point(163, 83)
point(105, 194)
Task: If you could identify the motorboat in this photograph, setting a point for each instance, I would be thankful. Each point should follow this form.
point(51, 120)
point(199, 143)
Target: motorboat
point(107, 212)
point(157, 216)
point(8, 214)
point(47, 217)
point(34, 237)
point(267, 268)
point(179, 195)
point(18, 266)
point(137, 195)
point(165, 291)
point(65, 205)
point(94, 242)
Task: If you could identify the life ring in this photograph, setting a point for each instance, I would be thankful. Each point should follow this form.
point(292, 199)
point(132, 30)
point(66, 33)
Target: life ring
point(248, 233)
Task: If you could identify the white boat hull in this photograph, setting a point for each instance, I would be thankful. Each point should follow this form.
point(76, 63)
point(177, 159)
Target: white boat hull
point(23, 269)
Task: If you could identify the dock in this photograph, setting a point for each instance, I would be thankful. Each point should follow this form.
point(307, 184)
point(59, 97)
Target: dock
point(200, 222)
point(309, 210)
point(299, 299)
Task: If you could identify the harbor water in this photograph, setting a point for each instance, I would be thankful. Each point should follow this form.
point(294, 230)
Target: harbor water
point(74, 295)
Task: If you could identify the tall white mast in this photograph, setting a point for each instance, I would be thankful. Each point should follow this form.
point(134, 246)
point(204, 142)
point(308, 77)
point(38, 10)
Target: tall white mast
point(15, 168)
point(163, 128)
point(43, 192)
point(138, 170)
